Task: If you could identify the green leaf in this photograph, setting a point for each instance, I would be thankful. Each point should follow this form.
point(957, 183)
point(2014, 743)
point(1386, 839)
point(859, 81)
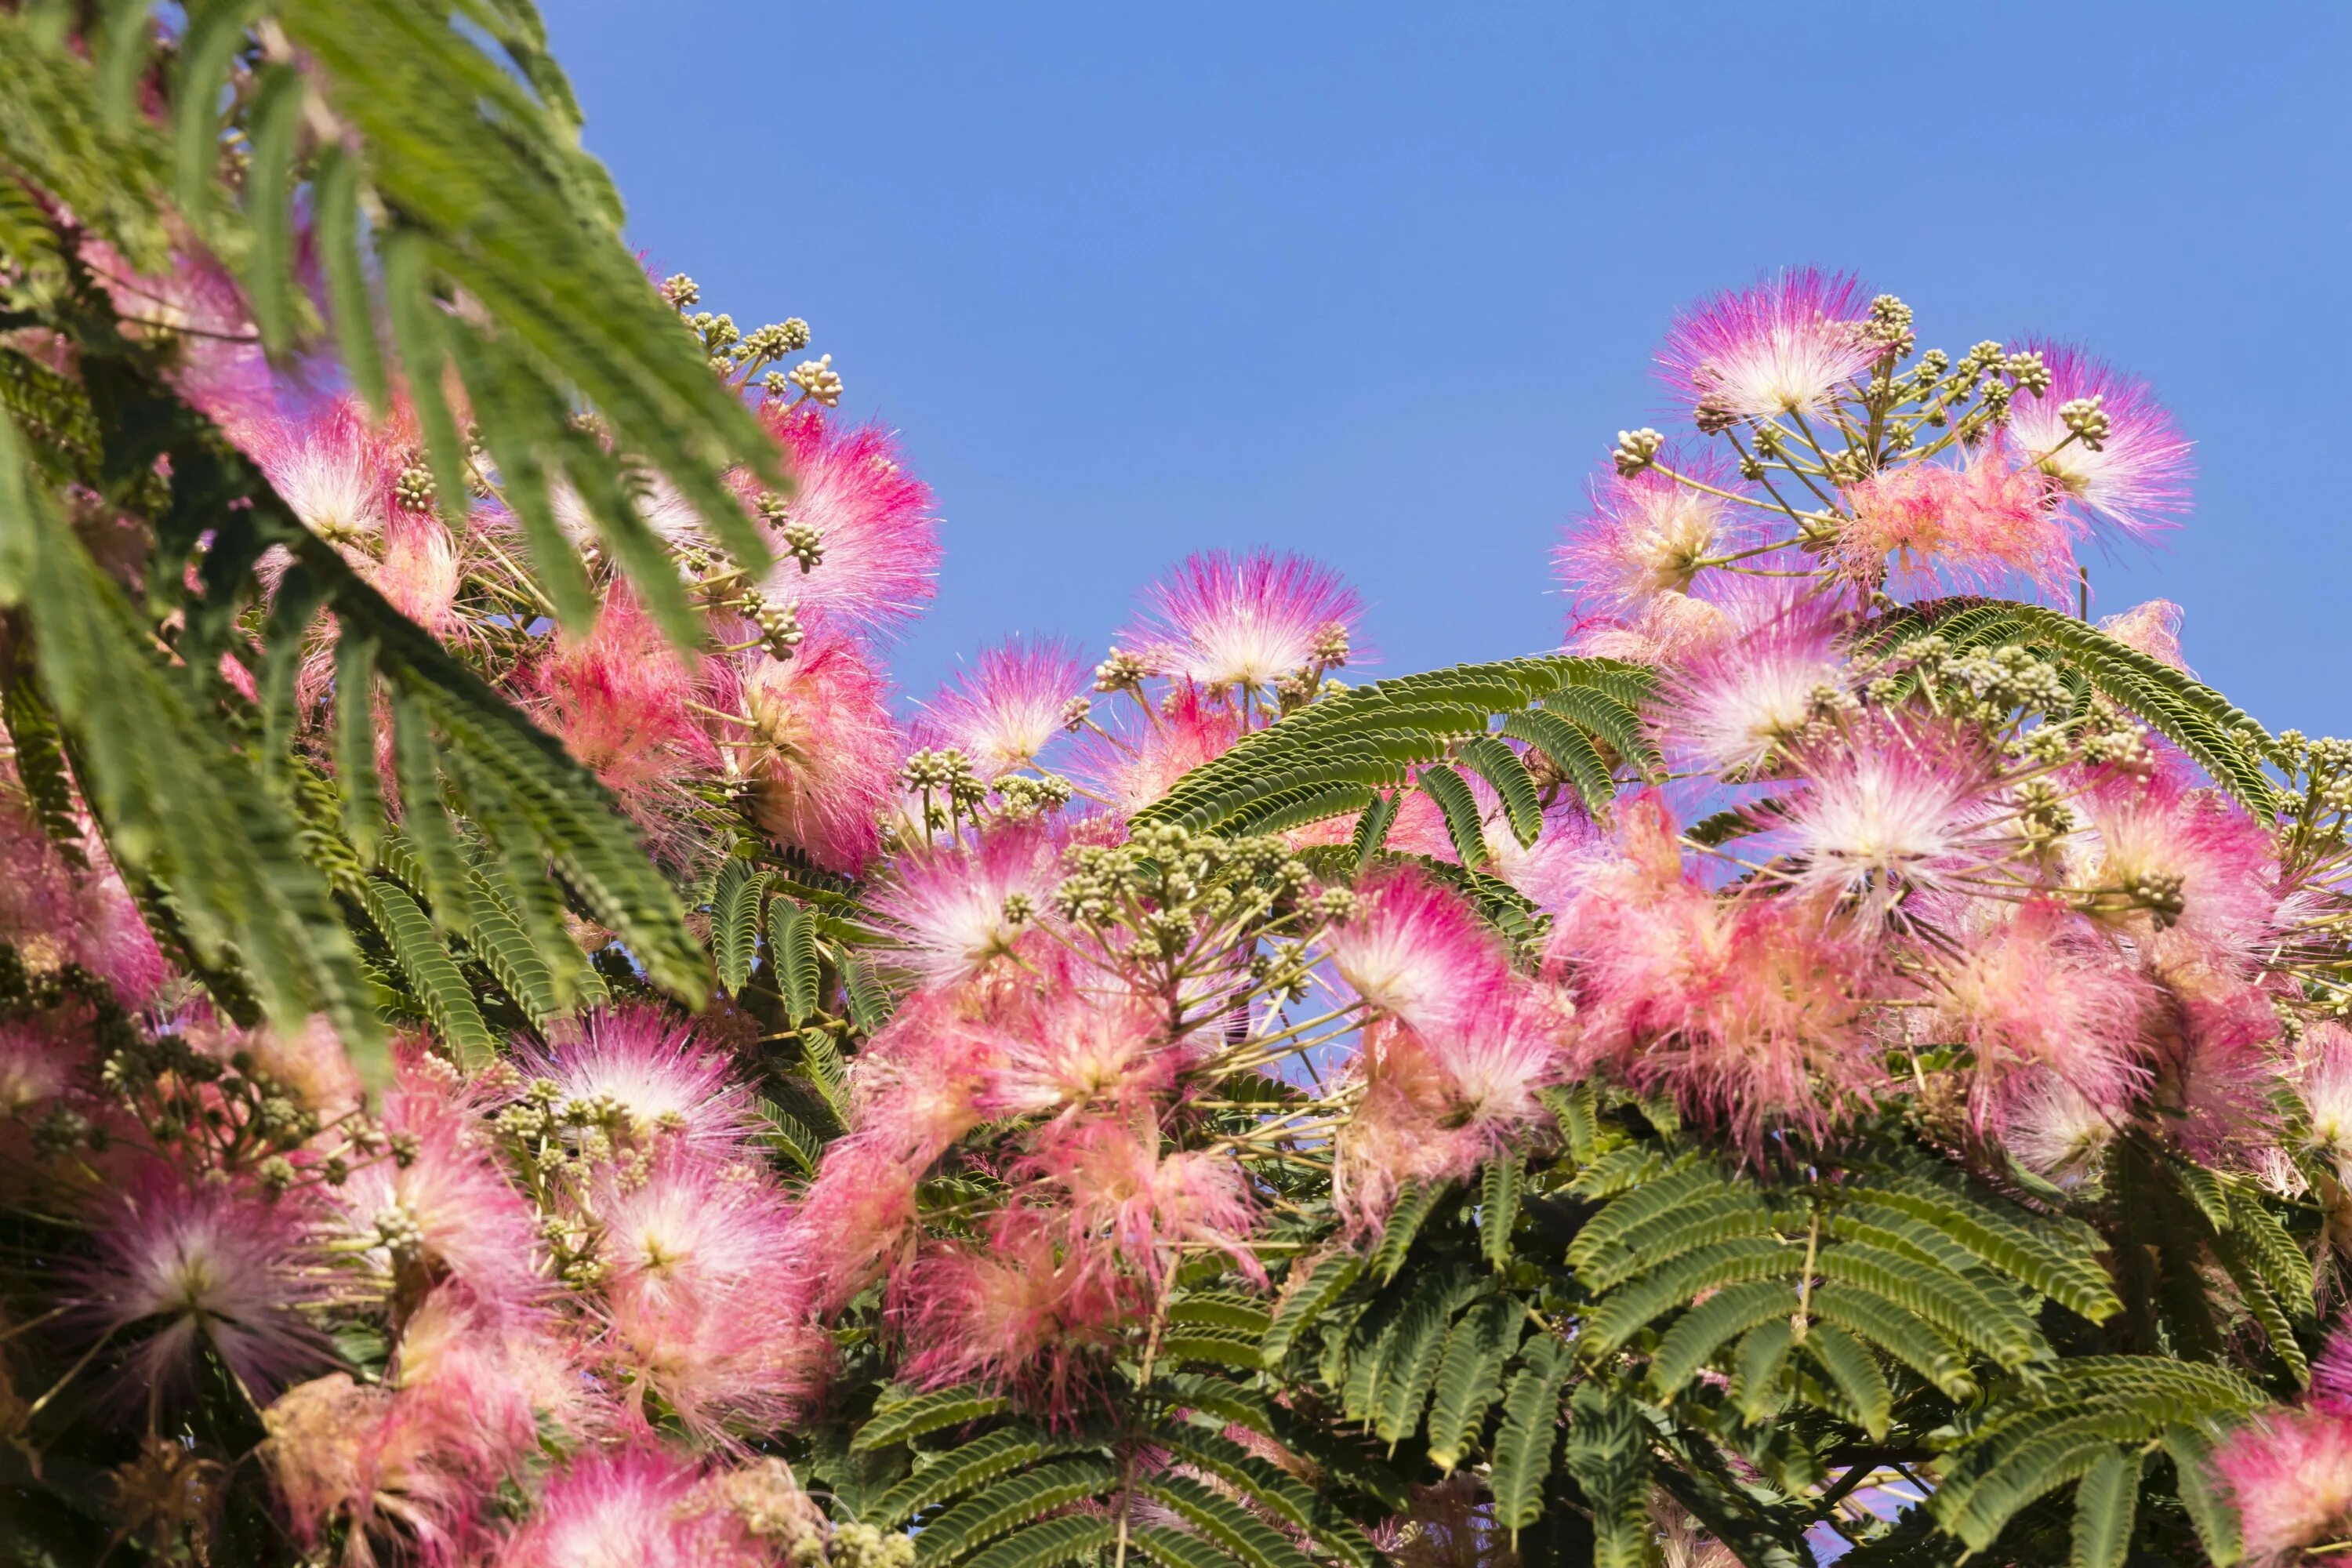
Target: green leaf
point(792, 950)
point(1326, 1279)
point(1530, 1432)
point(1176, 1548)
point(977, 1520)
point(1261, 1484)
point(1764, 1353)
point(1414, 1205)
point(1570, 752)
point(1453, 798)
point(912, 1416)
point(1611, 1460)
point(1513, 784)
point(2215, 1517)
point(735, 922)
point(1070, 1538)
point(1469, 1376)
point(968, 1468)
point(1373, 827)
point(1498, 1209)
point(2104, 1502)
point(273, 125)
point(790, 1135)
point(1249, 1538)
point(1409, 1363)
point(1701, 1332)
point(432, 974)
point(1854, 1373)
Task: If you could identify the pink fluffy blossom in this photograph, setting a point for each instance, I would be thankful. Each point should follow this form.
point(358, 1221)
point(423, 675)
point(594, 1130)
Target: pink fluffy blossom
point(1080, 1044)
point(821, 750)
point(657, 1077)
point(2154, 628)
point(335, 468)
point(1187, 731)
point(854, 1217)
point(619, 700)
point(1245, 621)
point(1150, 1205)
point(1647, 535)
point(1732, 704)
point(2136, 477)
point(181, 1265)
point(39, 1062)
point(2160, 835)
point(1781, 347)
point(873, 523)
point(1027, 1312)
point(2289, 1473)
point(948, 901)
point(1981, 525)
point(2054, 1128)
point(1004, 712)
point(196, 308)
point(1663, 629)
point(659, 506)
point(55, 913)
point(1413, 949)
point(634, 1508)
point(1888, 811)
point(421, 571)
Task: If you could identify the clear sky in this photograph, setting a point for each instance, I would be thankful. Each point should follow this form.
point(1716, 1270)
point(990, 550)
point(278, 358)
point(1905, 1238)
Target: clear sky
point(1381, 282)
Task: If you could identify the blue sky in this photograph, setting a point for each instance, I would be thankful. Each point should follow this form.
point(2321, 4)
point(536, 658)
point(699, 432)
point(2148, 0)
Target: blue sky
point(1381, 282)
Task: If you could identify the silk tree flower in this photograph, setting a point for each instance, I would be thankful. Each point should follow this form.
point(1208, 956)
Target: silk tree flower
point(2289, 1473)
point(658, 505)
point(2127, 466)
point(2323, 1080)
point(1732, 704)
point(1413, 950)
point(1187, 730)
point(421, 571)
point(872, 522)
point(950, 901)
point(854, 1217)
point(196, 311)
point(39, 1062)
point(334, 468)
point(621, 700)
point(1784, 346)
point(362, 1459)
point(1246, 621)
point(819, 748)
point(2054, 1128)
point(654, 1073)
point(1647, 534)
point(1003, 713)
point(1083, 1043)
point(2207, 864)
point(1981, 525)
point(630, 1508)
point(2043, 993)
point(1151, 1205)
point(1888, 811)
point(1667, 628)
point(180, 1266)
point(2153, 628)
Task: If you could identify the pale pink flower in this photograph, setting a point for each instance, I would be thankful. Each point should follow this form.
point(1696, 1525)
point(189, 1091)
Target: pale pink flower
point(181, 1265)
point(821, 750)
point(1413, 950)
point(448, 1206)
point(1079, 1043)
point(692, 1228)
point(2331, 1372)
point(54, 913)
point(855, 1217)
point(873, 523)
point(918, 1083)
point(661, 1081)
point(1026, 1312)
point(365, 1458)
point(2154, 628)
point(1647, 535)
point(2054, 1128)
point(633, 1508)
point(1187, 732)
point(39, 1062)
point(2136, 477)
point(334, 468)
point(2289, 1473)
point(619, 700)
point(1005, 713)
point(1223, 620)
point(1784, 346)
point(948, 900)
point(1888, 811)
point(2043, 990)
point(2159, 832)
point(1546, 870)
point(1149, 1205)
point(1982, 524)
point(420, 572)
point(2324, 1083)
point(659, 504)
point(1732, 704)
point(1665, 628)
point(196, 308)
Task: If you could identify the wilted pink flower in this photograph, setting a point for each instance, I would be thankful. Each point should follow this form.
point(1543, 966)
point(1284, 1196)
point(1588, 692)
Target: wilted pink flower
point(820, 749)
point(948, 901)
point(1886, 812)
point(1415, 949)
point(873, 522)
point(1224, 620)
point(1003, 713)
point(619, 700)
point(1982, 524)
point(662, 1082)
point(2130, 465)
point(2154, 628)
point(1734, 702)
point(183, 1264)
point(348, 1454)
point(1647, 535)
point(1781, 347)
point(2042, 991)
point(2289, 1473)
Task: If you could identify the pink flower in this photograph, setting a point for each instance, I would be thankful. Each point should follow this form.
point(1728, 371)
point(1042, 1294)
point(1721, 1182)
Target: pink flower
point(1150, 1205)
point(1732, 704)
point(333, 468)
point(948, 901)
point(1024, 1312)
point(873, 522)
point(2134, 475)
point(1981, 525)
point(39, 1062)
point(2154, 628)
point(2289, 1473)
point(420, 572)
point(2054, 1128)
point(196, 310)
point(1083, 1043)
point(2043, 990)
point(2160, 837)
point(619, 700)
point(183, 1264)
point(659, 1082)
point(2324, 1083)
point(339, 1451)
point(1004, 713)
point(1186, 731)
point(821, 750)
point(1888, 812)
point(659, 506)
point(634, 1508)
point(854, 1218)
point(55, 915)
point(1223, 620)
point(1784, 346)
point(1647, 535)
point(1666, 628)
point(1413, 950)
